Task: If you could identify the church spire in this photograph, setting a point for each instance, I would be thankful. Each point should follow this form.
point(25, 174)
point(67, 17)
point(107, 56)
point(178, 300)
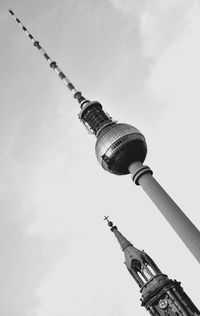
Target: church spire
point(139, 264)
point(124, 243)
point(160, 295)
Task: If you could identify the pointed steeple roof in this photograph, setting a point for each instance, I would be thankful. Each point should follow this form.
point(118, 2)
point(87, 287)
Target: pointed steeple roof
point(137, 261)
point(124, 243)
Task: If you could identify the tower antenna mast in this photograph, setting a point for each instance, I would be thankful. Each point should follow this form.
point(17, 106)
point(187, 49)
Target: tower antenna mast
point(53, 65)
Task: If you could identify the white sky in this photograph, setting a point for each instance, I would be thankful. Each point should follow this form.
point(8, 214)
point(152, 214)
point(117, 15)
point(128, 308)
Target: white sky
point(140, 58)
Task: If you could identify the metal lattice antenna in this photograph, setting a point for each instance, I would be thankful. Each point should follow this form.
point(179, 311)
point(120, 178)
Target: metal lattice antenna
point(77, 94)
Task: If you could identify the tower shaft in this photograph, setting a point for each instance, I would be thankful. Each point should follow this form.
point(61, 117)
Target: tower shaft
point(185, 229)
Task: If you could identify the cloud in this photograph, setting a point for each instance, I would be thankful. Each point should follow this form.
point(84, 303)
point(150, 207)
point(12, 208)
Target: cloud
point(160, 22)
point(175, 82)
point(178, 69)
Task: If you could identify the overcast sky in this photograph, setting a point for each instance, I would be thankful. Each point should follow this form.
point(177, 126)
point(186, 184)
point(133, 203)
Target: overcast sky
point(140, 59)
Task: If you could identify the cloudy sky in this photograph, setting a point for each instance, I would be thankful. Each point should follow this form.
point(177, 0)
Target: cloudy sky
point(140, 59)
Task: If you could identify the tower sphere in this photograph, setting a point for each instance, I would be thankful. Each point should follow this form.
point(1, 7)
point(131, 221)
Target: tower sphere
point(118, 145)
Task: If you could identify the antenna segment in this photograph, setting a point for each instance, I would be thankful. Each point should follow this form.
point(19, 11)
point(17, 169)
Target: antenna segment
point(77, 94)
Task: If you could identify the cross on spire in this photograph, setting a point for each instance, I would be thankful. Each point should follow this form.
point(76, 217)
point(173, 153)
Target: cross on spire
point(106, 218)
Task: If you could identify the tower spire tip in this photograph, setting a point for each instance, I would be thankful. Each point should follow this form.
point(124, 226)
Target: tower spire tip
point(77, 94)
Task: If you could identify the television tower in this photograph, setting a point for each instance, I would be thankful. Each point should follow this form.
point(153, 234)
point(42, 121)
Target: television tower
point(160, 295)
point(121, 149)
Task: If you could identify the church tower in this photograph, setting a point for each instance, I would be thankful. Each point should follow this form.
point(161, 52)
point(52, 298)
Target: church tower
point(160, 295)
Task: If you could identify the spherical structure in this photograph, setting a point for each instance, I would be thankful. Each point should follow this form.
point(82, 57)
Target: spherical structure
point(119, 145)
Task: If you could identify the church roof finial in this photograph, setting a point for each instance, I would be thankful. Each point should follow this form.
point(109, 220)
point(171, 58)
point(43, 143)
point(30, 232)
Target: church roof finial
point(109, 222)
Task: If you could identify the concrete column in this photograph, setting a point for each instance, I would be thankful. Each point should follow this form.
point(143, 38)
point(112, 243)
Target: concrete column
point(187, 231)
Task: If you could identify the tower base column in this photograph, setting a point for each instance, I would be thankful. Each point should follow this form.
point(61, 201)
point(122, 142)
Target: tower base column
point(187, 231)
